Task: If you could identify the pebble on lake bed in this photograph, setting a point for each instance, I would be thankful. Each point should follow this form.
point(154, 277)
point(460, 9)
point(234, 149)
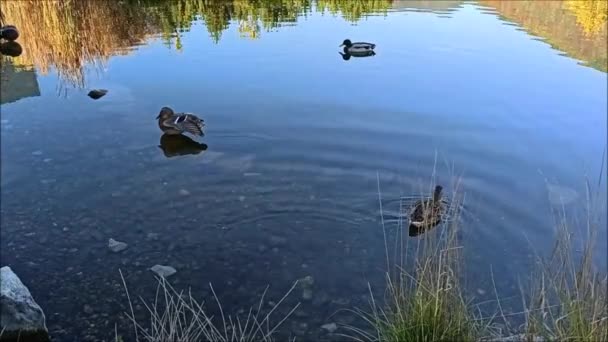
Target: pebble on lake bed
point(152, 236)
point(163, 271)
point(116, 246)
point(277, 241)
point(306, 283)
point(330, 327)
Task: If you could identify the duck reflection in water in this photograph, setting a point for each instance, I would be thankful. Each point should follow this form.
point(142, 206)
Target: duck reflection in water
point(346, 55)
point(179, 145)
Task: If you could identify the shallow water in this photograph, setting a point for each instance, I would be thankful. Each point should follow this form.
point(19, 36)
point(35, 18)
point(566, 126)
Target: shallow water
point(297, 140)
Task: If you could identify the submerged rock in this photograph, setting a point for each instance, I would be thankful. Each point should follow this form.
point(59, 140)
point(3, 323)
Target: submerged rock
point(163, 271)
point(277, 241)
point(152, 236)
point(97, 93)
point(307, 294)
point(11, 49)
point(306, 283)
point(116, 246)
point(9, 32)
point(22, 319)
point(330, 327)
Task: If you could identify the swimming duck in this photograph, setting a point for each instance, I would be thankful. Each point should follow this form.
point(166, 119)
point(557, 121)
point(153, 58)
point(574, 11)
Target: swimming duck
point(350, 47)
point(178, 123)
point(426, 213)
point(179, 145)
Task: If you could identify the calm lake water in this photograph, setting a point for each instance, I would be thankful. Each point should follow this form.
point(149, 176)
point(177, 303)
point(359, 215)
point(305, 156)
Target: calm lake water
point(507, 97)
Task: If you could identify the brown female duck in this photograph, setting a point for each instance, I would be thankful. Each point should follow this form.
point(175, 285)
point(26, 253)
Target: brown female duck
point(178, 123)
point(426, 213)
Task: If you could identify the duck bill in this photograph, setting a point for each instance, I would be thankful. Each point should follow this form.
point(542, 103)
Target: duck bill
point(341, 45)
point(158, 117)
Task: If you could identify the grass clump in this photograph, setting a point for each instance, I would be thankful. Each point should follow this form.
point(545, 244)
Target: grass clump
point(568, 300)
point(426, 305)
point(179, 317)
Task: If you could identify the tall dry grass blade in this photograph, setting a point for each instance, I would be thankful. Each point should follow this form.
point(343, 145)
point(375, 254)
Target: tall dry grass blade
point(382, 220)
point(130, 304)
point(498, 303)
point(221, 311)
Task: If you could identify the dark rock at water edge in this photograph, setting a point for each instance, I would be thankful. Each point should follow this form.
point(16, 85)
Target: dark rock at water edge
point(21, 318)
point(97, 93)
point(9, 32)
point(12, 49)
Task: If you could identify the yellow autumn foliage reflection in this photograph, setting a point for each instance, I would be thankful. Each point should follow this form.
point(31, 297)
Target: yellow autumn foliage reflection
point(590, 14)
point(67, 36)
point(354, 10)
point(71, 35)
point(577, 27)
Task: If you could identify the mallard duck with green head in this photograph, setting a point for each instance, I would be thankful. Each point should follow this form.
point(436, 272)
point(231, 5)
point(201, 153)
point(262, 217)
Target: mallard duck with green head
point(426, 213)
point(177, 123)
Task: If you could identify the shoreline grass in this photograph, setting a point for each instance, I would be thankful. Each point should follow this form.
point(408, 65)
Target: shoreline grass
point(568, 300)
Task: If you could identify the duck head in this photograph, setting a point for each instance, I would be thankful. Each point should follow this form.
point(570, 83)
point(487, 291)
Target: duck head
point(437, 193)
point(346, 43)
point(165, 113)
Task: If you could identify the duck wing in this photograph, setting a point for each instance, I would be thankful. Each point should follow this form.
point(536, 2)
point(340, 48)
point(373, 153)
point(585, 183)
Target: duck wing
point(418, 212)
point(424, 210)
point(363, 45)
point(186, 122)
